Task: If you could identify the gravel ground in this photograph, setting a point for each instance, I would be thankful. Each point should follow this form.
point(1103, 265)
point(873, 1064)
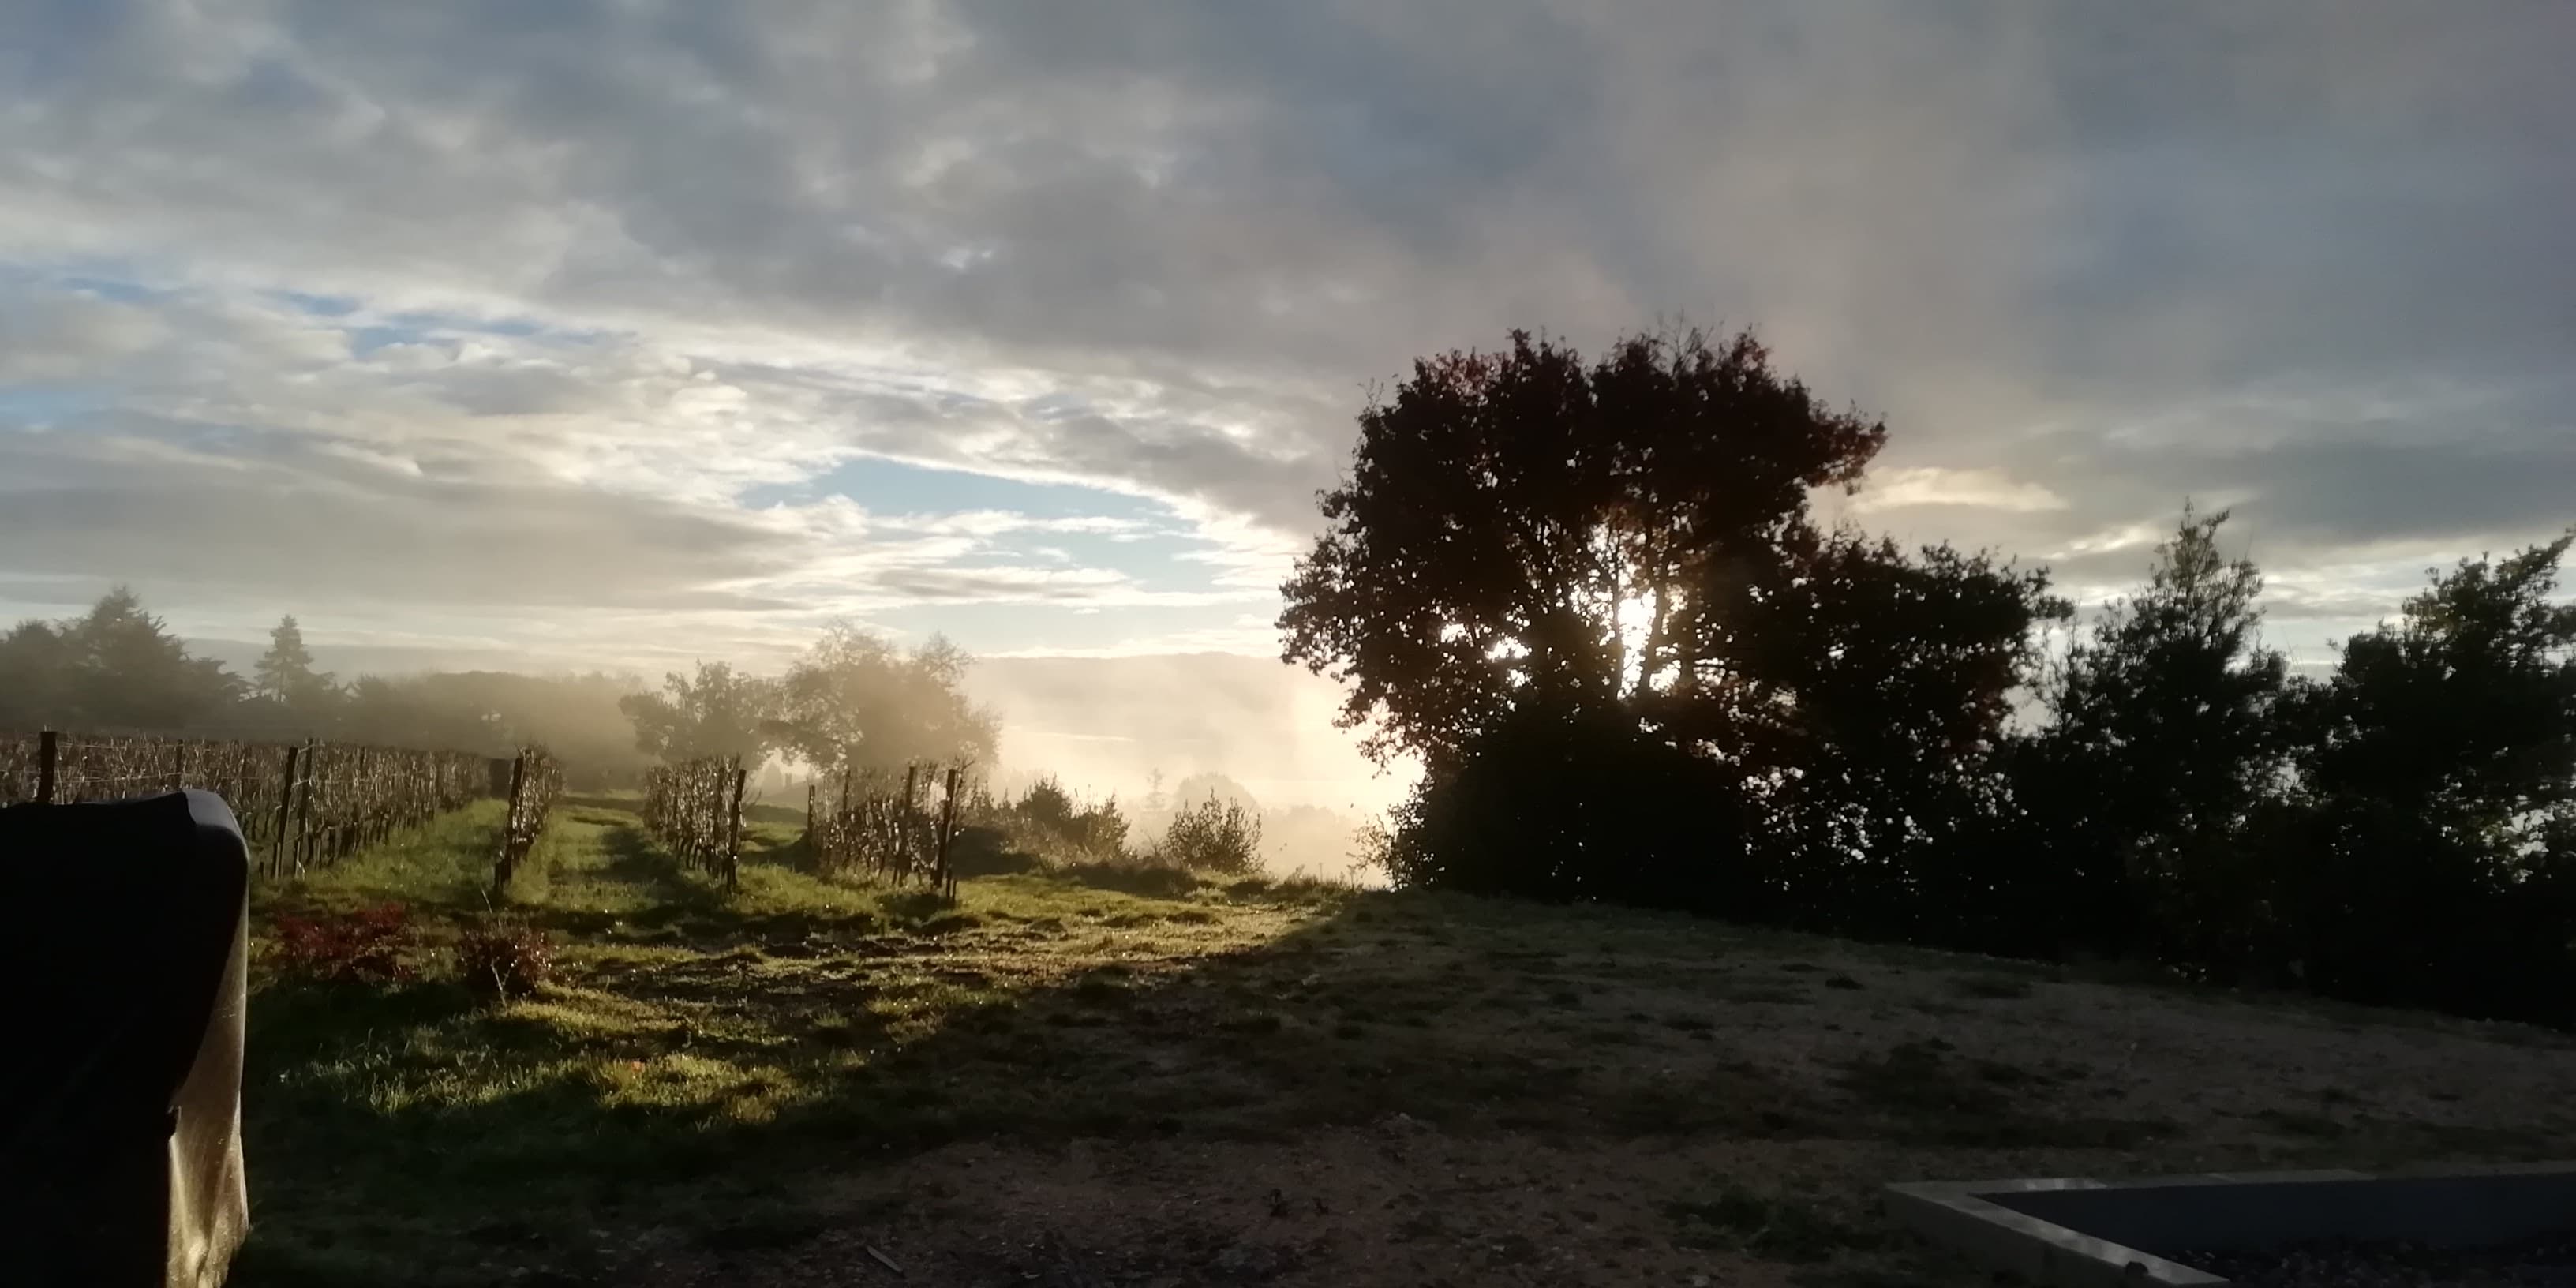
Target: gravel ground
point(2539, 1263)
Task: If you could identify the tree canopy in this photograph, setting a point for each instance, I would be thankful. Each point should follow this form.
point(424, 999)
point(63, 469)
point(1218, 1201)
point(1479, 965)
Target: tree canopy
point(718, 712)
point(855, 701)
point(1522, 526)
point(1591, 598)
point(285, 674)
point(2173, 696)
point(1620, 556)
point(116, 668)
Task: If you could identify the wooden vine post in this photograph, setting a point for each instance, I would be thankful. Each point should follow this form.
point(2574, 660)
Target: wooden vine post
point(49, 748)
point(285, 803)
point(948, 833)
point(904, 848)
point(509, 826)
point(733, 831)
point(303, 847)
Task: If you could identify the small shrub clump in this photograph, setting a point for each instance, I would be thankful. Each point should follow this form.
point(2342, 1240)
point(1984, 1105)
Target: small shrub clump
point(364, 946)
point(1049, 822)
point(1212, 836)
point(500, 959)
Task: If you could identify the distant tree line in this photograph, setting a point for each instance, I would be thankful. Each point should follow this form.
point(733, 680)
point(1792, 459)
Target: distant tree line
point(1593, 599)
point(852, 701)
point(119, 669)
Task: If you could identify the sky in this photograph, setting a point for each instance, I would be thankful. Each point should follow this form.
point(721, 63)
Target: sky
point(629, 332)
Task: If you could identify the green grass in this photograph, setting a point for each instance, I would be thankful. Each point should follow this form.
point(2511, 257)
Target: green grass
point(710, 1066)
point(699, 1050)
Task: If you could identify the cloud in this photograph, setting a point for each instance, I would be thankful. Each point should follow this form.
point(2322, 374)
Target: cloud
point(64, 335)
point(579, 278)
point(1931, 485)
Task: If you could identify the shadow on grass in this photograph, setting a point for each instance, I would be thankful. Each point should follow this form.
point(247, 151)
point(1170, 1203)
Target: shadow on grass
point(412, 1138)
point(697, 1080)
point(409, 1136)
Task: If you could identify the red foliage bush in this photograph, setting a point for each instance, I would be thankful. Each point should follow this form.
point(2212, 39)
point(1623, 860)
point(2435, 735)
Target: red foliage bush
point(365, 945)
point(500, 959)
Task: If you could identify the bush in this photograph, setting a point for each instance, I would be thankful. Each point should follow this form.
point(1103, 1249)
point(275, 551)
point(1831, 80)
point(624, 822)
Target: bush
point(1553, 805)
point(366, 945)
point(1212, 836)
point(1049, 823)
point(501, 958)
point(1048, 806)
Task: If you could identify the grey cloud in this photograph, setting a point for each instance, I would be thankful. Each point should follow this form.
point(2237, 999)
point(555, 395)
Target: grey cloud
point(1977, 219)
point(303, 535)
point(66, 335)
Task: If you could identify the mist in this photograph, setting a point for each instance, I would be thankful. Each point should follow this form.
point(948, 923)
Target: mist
point(1099, 726)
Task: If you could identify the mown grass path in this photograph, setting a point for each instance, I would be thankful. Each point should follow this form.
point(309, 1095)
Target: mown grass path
point(1184, 1083)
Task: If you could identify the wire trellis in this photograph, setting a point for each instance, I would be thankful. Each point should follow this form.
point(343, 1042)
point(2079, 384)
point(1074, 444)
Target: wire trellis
point(300, 805)
point(694, 808)
point(898, 830)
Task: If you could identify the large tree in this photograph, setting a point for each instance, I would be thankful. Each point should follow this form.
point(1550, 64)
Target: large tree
point(284, 674)
point(855, 701)
point(719, 712)
point(2436, 861)
point(1857, 697)
point(38, 666)
point(2163, 735)
point(1522, 527)
point(130, 673)
point(1585, 593)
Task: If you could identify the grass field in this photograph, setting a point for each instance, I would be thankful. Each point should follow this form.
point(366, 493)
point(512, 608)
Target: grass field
point(1062, 1081)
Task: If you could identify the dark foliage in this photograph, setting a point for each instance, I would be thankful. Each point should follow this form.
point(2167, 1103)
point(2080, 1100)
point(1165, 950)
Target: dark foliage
point(365, 946)
point(1519, 528)
point(1569, 807)
point(114, 669)
point(2172, 697)
point(2433, 856)
point(500, 958)
point(1590, 599)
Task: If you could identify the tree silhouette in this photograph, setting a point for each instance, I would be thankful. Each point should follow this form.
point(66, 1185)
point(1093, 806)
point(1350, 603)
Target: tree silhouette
point(1862, 705)
point(129, 673)
point(1520, 528)
point(285, 674)
point(38, 666)
point(1584, 593)
point(2163, 736)
point(2435, 862)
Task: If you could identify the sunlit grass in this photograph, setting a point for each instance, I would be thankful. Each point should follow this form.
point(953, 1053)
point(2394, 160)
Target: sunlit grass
point(775, 1026)
point(707, 1062)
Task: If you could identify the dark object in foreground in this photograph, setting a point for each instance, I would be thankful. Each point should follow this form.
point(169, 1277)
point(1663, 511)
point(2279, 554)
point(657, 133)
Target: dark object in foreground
point(2548, 1262)
point(120, 1099)
point(2078, 1231)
